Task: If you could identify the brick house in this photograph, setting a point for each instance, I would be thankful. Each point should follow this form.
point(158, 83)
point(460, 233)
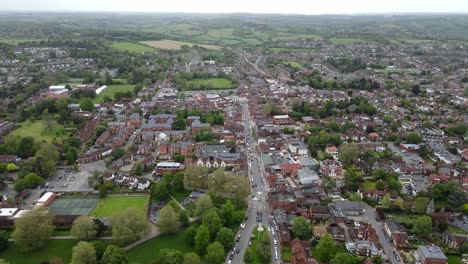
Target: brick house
point(332, 168)
point(300, 252)
point(282, 120)
point(318, 212)
point(431, 255)
point(396, 233)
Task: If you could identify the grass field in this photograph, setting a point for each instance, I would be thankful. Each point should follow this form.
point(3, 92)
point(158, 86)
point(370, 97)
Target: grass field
point(286, 254)
point(415, 41)
point(61, 248)
point(293, 64)
point(111, 90)
point(180, 196)
point(209, 83)
point(112, 205)
point(131, 47)
point(368, 185)
point(347, 40)
point(174, 45)
point(36, 129)
point(453, 259)
point(292, 36)
point(149, 250)
point(16, 41)
point(252, 249)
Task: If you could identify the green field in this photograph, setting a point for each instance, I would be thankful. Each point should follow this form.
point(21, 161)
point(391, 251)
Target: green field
point(252, 249)
point(415, 41)
point(112, 205)
point(453, 259)
point(148, 251)
point(16, 41)
point(368, 185)
point(292, 36)
point(286, 253)
point(36, 129)
point(131, 47)
point(61, 248)
point(111, 90)
point(180, 196)
point(293, 64)
point(209, 83)
point(347, 40)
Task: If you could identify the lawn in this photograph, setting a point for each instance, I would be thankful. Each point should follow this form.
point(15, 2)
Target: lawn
point(36, 129)
point(111, 90)
point(112, 205)
point(16, 41)
point(293, 64)
point(61, 248)
point(415, 41)
point(347, 40)
point(368, 185)
point(286, 253)
point(252, 249)
point(404, 219)
point(149, 250)
point(174, 45)
point(452, 259)
point(131, 47)
point(180, 196)
point(209, 83)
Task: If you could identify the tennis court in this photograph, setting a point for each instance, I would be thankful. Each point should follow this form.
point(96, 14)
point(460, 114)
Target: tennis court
point(74, 206)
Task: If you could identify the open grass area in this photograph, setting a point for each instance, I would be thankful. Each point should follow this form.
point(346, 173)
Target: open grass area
point(209, 83)
point(16, 41)
point(286, 253)
point(61, 248)
point(131, 47)
point(111, 90)
point(452, 259)
point(37, 130)
point(255, 257)
point(406, 220)
point(148, 251)
point(415, 41)
point(112, 205)
point(174, 45)
point(180, 196)
point(292, 36)
point(368, 185)
point(293, 64)
point(347, 40)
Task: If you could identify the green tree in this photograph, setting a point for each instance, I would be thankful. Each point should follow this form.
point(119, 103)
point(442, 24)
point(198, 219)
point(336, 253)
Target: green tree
point(167, 220)
point(84, 253)
point(413, 138)
point(184, 218)
point(355, 197)
point(227, 213)
point(326, 248)
point(225, 236)
point(100, 248)
point(3, 240)
point(169, 256)
point(178, 181)
point(215, 253)
point(87, 105)
point(189, 235)
point(348, 153)
point(47, 157)
point(423, 226)
point(301, 228)
point(212, 220)
point(343, 258)
point(84, 228)
point(204, 204)
point(114, 255)
point(129, 225)
point(26, 147)
point(386, 201)
point(380, 185)
point(138, 169)
point(160, 191)
point(11, 167)
point(33, 229)
point(191, 258)
point(202, 238)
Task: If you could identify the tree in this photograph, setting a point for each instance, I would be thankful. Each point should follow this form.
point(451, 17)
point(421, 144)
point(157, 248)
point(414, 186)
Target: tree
point(225, 236)
point(3, 240)
point(227, 213)
point(169, 256)
point(84, 253)
point(343, 258)
point(212, 220)
point(301, 228)
point(114, 255)
point(33, 229)
point(413, 138)
point(326, 248)
point(386, 201)
point(215, 253)
point(167, 220)
point(160, 191)
point(87, 105)
point(191, 258)
point(84, 228)
point(129, 225)
point(423, 226)
point(380, 185)
point(204, 204)
point(47, 157)
point(456, 198)
point(202, 238)
point(26, 147)
point(11, 167)
point(189, 235)
point(178, 181)
point(184, 218)
point(100, 248)
point(355, 197)
point(348, 153)
point(420, 204)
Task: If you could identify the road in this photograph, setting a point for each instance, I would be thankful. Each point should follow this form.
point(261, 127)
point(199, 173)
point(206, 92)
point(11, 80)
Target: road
point(258, 199)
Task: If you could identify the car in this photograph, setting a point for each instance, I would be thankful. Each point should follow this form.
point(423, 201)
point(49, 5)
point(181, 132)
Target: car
point(231, 256)
point(230, 261)
point(237, 250)
point(242, 225)
point(238, 238)
point(275, 242)
point(269, 229)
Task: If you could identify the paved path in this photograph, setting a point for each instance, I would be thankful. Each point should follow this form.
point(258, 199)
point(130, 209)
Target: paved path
point(154, 233)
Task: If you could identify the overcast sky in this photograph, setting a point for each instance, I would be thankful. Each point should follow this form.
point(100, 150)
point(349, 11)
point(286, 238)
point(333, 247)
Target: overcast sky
point(250, 6)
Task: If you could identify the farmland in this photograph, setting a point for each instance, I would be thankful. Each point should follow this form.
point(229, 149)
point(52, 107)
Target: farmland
point(174, 45)
point(131, 47)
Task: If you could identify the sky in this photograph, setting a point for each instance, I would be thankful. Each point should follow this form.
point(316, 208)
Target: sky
point(310, 7)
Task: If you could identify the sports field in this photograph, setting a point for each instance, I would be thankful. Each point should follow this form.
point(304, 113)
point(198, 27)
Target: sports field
point(173, 45)
point(131, 47)
point(111, 90)
point(112, 205)
point(73, 206)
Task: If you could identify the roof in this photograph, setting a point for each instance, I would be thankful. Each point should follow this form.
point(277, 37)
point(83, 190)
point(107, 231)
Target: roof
point(8, 211)
point(281, 116)
point(45, 197)
point(433, 252)
point(168, 164)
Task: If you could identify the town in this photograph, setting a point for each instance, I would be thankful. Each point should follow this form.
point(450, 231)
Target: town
point(239, 143)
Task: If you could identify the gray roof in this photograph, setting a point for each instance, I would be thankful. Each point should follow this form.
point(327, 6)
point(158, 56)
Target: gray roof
point(433, 252)
point(348, 205)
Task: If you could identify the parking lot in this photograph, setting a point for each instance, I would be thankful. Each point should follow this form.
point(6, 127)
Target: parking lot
point(74, 181)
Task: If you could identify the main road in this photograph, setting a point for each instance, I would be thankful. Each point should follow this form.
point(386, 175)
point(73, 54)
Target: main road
point(257, 202)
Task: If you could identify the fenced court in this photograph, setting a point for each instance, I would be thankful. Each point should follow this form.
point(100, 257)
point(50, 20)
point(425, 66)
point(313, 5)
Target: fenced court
point(74, 206)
